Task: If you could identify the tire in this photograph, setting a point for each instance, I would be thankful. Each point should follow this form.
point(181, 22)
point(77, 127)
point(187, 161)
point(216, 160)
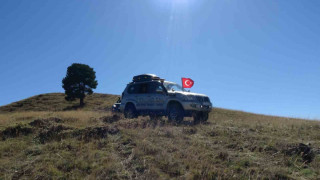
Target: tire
point(130, 112)
point(200, 117)
point(175, 113)
point(205, 116)
point(196, 118)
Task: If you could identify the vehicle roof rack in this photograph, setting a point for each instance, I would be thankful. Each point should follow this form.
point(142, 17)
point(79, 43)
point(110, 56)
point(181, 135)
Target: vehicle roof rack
point(145, 77)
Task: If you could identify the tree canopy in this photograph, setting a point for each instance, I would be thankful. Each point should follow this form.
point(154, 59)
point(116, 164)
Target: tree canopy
point(79, 81)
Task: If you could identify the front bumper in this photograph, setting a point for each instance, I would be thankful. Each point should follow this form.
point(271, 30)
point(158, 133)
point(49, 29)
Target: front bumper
point(190, 109)
point(195, 106)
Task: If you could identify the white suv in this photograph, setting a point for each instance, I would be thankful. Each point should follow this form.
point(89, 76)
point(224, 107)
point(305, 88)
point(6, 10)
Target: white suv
point(149, 95)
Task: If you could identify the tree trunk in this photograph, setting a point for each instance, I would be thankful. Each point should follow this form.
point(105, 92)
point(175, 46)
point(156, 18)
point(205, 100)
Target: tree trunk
point(81, 102)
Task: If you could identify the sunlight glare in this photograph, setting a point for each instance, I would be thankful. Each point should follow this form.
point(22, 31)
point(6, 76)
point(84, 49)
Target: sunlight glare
point(180, 1)
point(176, 3)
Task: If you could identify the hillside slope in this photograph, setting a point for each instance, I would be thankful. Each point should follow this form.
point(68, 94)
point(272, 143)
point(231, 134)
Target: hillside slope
point(56, 102)
point(44, 139)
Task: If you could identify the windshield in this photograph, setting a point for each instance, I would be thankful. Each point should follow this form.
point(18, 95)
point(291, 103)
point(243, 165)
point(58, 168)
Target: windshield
point(173, 87)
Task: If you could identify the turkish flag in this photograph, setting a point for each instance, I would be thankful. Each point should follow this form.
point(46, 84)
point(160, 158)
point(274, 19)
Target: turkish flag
point(187, 82)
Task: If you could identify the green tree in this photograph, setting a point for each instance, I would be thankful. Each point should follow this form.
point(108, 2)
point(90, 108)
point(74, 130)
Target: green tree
point(79, 81)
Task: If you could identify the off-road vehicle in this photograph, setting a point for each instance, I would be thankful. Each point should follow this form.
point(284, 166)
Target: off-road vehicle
point(147, 94)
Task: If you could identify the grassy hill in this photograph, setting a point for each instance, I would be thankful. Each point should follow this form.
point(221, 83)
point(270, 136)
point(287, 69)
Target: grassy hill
point(45, 137)
point(56, 102)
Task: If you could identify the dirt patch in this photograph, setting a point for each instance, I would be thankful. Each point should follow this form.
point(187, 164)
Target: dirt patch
point(232, 146)
point(189, 130)
point(15, 131)
point(223, 156)
point(48, 132)
point(303, 150)
point(38, 123)
point(110, 119)
point(213, 133)
point(132, 124)
point(43, 123)
point(94, 133)
point(52, 133)
point(270, 149)
point(139, 123)
point(59, 132)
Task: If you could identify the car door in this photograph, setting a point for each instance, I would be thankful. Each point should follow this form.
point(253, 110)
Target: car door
point(156, 96)
point(142, 97)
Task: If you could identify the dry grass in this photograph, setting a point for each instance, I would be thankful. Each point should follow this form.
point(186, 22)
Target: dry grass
point(75, 118)
point(97, 145)
point(56, 102)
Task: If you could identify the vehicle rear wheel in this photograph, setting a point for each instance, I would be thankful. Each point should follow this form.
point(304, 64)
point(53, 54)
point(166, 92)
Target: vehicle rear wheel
point(175, 113)
point(130, 112)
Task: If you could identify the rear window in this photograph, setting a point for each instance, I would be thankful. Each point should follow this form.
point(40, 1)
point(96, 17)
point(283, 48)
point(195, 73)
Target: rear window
point(134, 89)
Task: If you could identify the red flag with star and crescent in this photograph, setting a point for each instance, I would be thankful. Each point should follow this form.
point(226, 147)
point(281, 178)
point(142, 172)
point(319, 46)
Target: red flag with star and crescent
point(187, 82)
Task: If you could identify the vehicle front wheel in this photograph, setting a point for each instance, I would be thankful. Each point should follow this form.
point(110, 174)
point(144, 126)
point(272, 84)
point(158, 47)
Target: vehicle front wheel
point(175, 113)
point(200, 117)
point(205, 116)
point(130, 112)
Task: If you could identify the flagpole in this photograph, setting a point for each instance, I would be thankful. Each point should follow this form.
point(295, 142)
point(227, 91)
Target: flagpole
point(182, 82)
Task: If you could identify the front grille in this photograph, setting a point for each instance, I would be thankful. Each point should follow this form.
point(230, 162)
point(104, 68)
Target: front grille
point(203, 99)
point(205, 107)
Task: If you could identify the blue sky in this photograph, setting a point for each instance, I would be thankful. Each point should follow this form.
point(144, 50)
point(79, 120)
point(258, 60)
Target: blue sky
point(252, 55)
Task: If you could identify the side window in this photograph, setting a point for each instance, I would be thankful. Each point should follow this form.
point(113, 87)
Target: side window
point(134, 89)
point(159, 89)
point(151, 88)
point(143, 88)
point(155, 88)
